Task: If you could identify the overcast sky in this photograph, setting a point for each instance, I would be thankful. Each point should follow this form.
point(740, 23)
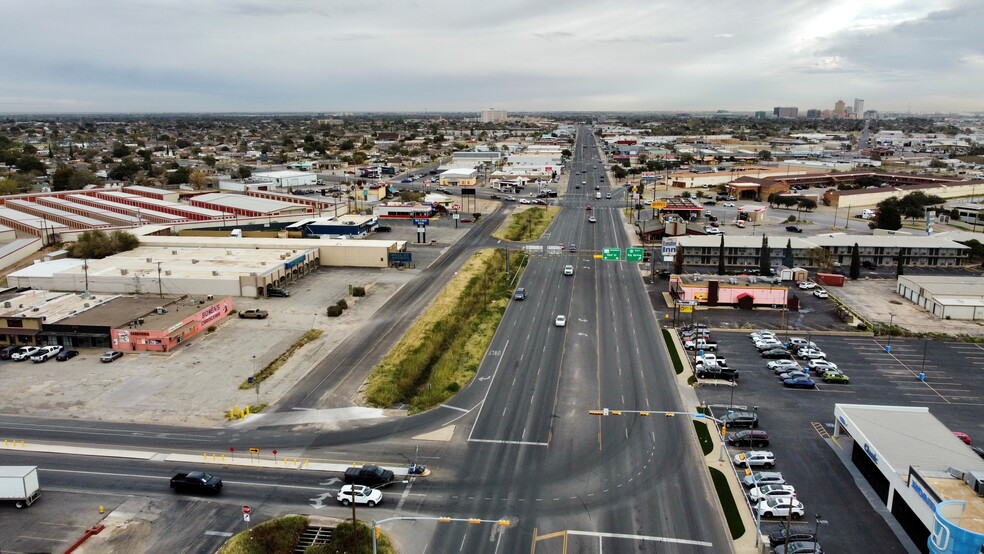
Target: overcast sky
point(465, 55)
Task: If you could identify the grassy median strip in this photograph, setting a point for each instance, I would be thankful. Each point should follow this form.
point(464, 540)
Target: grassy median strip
point(272, 367)
point(441, 352)
point(674, 355)
point(731, 513)
point(704, 437)
point(527, 225)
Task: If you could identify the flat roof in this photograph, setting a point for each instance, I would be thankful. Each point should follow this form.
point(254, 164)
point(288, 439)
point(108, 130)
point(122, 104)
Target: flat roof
point(121, 310)
point(53, 306)
point(167, 204)
point(910, 436)
point(49, 268)
point(32, 221)
point(283, 173)
point(252, 203)
point(81, 220)
point(886, 241)
point(85, 199)
point(99, 213)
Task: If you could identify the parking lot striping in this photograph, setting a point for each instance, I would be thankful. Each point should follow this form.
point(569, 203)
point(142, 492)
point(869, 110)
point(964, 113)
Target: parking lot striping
point(821, 430)
point(647, 538)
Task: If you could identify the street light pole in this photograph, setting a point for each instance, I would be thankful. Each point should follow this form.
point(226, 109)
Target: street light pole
point(888, 347)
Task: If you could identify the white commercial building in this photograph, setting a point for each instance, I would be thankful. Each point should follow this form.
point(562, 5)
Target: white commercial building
point(492, 115)
point(946, 297)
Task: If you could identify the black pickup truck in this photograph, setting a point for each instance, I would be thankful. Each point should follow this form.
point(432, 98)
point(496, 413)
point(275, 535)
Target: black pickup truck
point(196, 481)
point(368, 475)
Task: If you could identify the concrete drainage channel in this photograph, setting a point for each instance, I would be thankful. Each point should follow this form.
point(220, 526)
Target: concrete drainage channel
point(313, 535)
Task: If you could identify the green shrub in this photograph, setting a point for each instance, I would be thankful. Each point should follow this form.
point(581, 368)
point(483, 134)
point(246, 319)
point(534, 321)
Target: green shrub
point(277, 536)
point(342, 304)
point(334, 310)
point(349, 539)
point(358, 291)
point(211, 329)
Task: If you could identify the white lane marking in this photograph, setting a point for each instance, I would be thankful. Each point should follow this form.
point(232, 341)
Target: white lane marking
point(485, 397)
point(647, 538)
point(522, 443)
point(455, 408)
point(218, 533)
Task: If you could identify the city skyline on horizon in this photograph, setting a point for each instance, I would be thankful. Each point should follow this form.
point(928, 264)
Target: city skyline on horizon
point(303, 56)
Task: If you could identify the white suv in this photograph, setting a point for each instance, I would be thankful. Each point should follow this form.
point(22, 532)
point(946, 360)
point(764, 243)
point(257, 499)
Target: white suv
point(568, 270)
point(780, 507)
point(755, 458)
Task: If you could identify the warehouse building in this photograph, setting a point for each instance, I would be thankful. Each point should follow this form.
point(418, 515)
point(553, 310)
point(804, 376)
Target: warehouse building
point(929, 480)
point(945, 297)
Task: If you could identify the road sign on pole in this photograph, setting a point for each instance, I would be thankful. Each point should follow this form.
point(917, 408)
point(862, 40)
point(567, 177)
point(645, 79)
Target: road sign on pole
point(247, 509)
point(611, 254)
point(634, 254)
point(455, 207)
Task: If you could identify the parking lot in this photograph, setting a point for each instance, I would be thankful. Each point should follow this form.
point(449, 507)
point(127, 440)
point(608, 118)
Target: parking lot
point(799, 421)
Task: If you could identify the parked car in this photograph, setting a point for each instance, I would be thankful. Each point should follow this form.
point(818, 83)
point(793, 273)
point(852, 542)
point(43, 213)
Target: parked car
point(806, 285)
point(774, 353)
point(799, 342)
point(561, 321)
point(24, 353)
point(820, 366)
point(277, 292)
point(780, 507)
point(748, 438)
point(728, 205)
point(794, 229)
point(110, 356)
point(362, 495)
point(800, 383)
point(254, 313)
point(757, 335)
point(784, 365)
point(66, 355)
point(799, 547)
point(868, 265)
point(383, 229)
point(820, 293)
point(759, 478)
point(739, 223)
point(713, 231)
point(46, 353)
point(835, 377)
point(810, 354)
point(962, 436)
point(755, 458)
point(6, 351)
point(740, 418)
point(780, 535)
point(759, 494)
point(767, 344)
point(520, 294)
point(795, 374)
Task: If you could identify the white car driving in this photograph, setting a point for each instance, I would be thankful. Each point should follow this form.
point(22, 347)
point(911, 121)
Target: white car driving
point(363, 495)
point(561, 321)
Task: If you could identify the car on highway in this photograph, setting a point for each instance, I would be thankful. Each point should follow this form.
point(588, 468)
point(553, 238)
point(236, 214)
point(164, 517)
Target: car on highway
point(561, 321)
point(253, 313)
point(728, 204)
point(776, 353)
point(739, 224)
point(407, 180)
point(820, 293)
point(362, 495)
point(110, 356)
point(520, 294)
point(46, 353)
point(799, 383)
point(511, 198)
point(568, 270)
point(749, 438)
point(591, 219)
point(759, 494)
point(495, 197)
point(755, 458)
point(794, 229)
point(608, 196)
point(779, 536)
point(572, 248)
point(525, 201)
point(835, 377)
point(759, 478)
point(799, 547)
point(810, 354)
point(66, 355)
point(24, 353)
point(587, 208)
point(784, 365)
point(820, 366)
point(780, 507)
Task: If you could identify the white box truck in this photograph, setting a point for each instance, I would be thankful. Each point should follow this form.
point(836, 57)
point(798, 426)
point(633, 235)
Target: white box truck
point(19, 484)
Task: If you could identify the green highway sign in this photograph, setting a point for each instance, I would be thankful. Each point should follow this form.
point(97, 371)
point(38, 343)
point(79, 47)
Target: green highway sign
point(611, 254)
point(634, 254)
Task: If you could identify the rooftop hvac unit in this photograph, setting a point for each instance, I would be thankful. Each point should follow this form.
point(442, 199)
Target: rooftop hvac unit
point(167, 272)
point(6, 304)
point(976, 481)
point(86, 305)
point(174, 252)
point(215, 273)
point(124, 271)
point(194, 261)
point(150, 260)
point(35, 309)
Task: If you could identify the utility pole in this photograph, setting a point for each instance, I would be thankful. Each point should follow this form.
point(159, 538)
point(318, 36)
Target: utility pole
point(160, 286)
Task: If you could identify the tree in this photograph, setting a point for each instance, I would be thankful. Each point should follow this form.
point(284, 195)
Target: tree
point(199, 180)
point(121, 241)
point(9, 186)
point(243, 172)
point(619, 172)
point(900, 262)
point(787, 254)
point(889, 215)
point(765, 257)
point(855, 262)
point(807, 204)
point(765, 155)
point(97, 244)
point(120, 150)
point(28, 163)
point(976, 249)
point(178, 176)
point(62, 177)
point(721, 257)
point(209, 160)
point(678, 260)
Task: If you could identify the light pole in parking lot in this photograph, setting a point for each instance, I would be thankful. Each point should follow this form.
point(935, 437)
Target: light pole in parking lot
point(816, 532)
point(888, 347)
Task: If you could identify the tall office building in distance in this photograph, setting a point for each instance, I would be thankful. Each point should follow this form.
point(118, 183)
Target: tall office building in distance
point(839, 109)
point(858, 107)
point(493, 116)
point(789, 112)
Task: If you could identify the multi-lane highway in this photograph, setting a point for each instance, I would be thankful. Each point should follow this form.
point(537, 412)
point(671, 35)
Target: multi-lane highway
point(524, 447)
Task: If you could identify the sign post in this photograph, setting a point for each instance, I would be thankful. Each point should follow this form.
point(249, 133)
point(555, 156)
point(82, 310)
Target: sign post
point(611, 254)
point(634, 254)
point(246, 511)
